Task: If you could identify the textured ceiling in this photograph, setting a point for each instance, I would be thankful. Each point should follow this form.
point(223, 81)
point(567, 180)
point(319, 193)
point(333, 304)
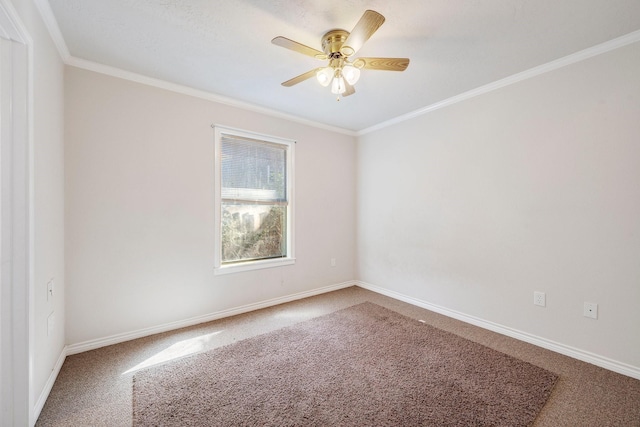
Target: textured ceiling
point(224, 46)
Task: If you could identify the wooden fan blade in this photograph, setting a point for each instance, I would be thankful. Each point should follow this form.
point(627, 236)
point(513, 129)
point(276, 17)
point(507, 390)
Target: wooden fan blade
point(349, 90)
point(366, 26)
point(300, 78)
point(386, 64)
point(298, 47)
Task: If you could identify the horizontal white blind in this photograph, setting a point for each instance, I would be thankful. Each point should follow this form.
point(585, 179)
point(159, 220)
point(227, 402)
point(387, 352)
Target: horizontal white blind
point(253, 170)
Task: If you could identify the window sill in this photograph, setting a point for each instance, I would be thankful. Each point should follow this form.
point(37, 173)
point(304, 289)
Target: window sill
point(253, 265)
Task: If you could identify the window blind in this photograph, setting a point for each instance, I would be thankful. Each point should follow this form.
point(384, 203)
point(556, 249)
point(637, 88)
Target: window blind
point(253, 170)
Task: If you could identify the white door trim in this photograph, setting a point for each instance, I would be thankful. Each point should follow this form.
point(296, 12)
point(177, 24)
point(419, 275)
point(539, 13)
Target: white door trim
point(16, 219)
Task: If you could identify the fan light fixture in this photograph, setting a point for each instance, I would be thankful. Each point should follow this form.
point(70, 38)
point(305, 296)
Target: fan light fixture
point(351, 74)
point(336, 77)
point(325, 75)
point(337, 86)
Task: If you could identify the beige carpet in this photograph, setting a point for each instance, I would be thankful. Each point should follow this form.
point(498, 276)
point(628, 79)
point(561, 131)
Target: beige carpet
point(364, 365)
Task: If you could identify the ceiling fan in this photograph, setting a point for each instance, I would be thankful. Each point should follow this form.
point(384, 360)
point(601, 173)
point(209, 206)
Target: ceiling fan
point(338, 46)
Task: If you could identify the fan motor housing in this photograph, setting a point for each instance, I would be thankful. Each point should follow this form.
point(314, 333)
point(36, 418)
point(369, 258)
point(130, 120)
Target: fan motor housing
point(333, 40)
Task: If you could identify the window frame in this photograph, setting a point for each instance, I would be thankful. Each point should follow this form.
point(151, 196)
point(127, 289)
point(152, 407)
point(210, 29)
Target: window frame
point(240, 266)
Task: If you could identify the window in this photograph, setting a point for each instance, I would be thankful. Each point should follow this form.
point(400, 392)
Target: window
point(253, 201)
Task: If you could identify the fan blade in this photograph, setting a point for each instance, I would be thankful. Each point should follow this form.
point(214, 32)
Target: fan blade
point(349, 90)
point(298, 47)
point(386, 64)
point(300, 78)
point(366, 26)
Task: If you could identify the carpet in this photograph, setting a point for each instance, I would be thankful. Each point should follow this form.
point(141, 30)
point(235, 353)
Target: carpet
point(361, 366)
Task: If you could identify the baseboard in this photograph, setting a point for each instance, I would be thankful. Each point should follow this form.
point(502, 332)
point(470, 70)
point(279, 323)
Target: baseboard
point(127, 336)
point(42, 399)
point(115, 339)
point(576, 353)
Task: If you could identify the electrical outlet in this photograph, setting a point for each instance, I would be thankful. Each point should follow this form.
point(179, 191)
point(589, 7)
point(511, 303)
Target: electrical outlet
point(591, 310)
point(539, 298)
point(333, 262)
point(50, 289)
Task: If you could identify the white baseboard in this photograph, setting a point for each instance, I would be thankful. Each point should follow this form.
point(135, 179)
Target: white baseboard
point(576, 353)
point(37, 408)
point(115, 339)
point(127, 336)
point(585, 356)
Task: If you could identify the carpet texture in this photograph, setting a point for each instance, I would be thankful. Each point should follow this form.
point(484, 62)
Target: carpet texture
point(364, 365)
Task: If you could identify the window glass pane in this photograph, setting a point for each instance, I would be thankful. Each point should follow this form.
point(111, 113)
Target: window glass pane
point(253, 231)
point(253, 170)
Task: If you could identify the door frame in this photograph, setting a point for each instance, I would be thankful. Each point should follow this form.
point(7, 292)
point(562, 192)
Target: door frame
point(16, 219)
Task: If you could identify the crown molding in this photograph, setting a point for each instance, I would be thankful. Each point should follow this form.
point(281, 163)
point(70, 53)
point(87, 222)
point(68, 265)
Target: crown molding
point(11, 26)
point(197, 93)
point(54, 30)
point(590, 52)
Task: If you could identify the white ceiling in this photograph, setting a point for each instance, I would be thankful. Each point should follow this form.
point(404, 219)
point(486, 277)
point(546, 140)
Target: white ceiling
point(224, 46)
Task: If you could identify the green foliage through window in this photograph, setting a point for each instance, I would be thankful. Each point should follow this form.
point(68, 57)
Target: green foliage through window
point(251, 232)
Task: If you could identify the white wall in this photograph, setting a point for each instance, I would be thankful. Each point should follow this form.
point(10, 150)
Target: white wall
point(534, 186)
point(48, 197)
point(139, 208)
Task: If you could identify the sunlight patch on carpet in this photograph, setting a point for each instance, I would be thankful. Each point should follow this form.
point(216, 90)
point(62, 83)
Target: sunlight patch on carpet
point(175, 351)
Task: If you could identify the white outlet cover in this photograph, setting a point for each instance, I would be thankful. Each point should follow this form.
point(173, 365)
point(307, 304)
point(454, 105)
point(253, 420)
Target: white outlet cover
point(591, 310)
point(539, 298)
point(50, 289)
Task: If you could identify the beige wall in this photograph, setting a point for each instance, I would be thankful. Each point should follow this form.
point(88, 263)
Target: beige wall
point(139, 208)
point(471, 207)
point(534, 186)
